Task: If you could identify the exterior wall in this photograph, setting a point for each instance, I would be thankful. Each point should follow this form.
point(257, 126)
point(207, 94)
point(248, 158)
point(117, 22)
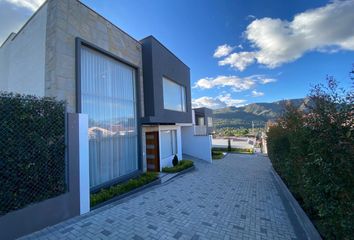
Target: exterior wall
point(72, 203)
point(206, 113)
point(22, 59)
point(69, 19)
point(167, 162)
point(196, 146)
point(159, 62)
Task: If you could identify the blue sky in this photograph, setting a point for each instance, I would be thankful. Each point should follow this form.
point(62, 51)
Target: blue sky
point(270, 50)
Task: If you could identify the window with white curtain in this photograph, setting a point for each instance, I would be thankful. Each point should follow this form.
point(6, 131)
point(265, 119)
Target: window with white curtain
point(200, 121)
point(108, 96)
point(168, 141)
point(210, 121)
point(174, 96)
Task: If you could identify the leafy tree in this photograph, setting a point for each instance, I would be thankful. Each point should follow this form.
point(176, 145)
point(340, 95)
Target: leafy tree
point(313, 151)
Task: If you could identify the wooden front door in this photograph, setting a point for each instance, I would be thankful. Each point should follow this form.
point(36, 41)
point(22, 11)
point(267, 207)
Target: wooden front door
point(152, 152)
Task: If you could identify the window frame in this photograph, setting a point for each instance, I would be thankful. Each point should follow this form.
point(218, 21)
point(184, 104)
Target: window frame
point(173, 141)
point(183, 96)
point(79, 42)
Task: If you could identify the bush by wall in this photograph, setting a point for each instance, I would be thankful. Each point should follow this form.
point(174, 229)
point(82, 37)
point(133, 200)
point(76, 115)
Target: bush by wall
point(313, 151)
point(32, 150)
point(182, 165)
point(121, 188)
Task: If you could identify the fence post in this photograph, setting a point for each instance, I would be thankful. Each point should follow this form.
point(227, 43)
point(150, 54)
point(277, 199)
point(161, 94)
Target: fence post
point(84, 164)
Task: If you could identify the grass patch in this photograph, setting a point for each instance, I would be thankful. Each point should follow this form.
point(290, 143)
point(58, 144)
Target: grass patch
point(217, 154)
point(183, 164)
point(121, 188)
point(235, 150)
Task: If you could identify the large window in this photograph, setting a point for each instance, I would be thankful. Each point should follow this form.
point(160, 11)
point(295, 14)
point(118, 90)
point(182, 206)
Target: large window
point(168, 143)
point(108, 97)
point(174, 96)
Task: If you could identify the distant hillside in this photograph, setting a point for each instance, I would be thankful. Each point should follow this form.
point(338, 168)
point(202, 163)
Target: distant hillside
point(259, 113)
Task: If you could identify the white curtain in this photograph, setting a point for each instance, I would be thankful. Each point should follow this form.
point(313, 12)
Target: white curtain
point(174, 96)
point(108, 97)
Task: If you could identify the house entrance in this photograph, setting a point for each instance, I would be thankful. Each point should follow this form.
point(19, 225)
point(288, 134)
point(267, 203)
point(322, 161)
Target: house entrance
point(152, 152)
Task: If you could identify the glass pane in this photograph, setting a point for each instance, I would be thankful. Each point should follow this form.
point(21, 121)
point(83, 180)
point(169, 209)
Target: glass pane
point(174, 96)
point(210, 122)
point(174, 141)
point(166, 144)
point(201, 121)
point(108, 97)
point(183, 97)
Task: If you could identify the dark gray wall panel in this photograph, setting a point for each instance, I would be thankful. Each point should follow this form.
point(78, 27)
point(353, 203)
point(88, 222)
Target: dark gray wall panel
point(159, 62)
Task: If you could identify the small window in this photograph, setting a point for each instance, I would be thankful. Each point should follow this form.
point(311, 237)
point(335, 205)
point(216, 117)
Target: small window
point(200, 121)
point(210, 121)
point(174, 96)
point(168, 143)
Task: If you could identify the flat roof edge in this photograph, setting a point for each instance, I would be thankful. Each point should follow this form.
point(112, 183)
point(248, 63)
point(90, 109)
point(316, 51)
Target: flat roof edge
point(152, 37)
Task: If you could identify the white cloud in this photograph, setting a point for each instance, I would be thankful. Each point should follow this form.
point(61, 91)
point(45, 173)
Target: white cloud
point(32, 5)
point(262, 79)
point(223, 50)
point(220, 101)
point(239, 60)
point(208, 102)
point(250, 17)
point(229, 101)
point(268, 80)
point(325, 29)
point(255, 93)
point(237, 84)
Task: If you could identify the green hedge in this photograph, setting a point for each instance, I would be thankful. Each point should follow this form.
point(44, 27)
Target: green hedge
point(32, 150)
point(217, 154)
point(234, 150)
point(119, 189)
point(182, 165)
point(313, 152)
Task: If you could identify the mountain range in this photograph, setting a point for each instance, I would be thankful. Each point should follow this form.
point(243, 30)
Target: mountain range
point(258, 113)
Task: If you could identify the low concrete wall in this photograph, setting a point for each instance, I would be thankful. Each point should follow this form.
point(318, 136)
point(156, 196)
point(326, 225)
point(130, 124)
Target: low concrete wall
point(196, 146)
point(54, 210)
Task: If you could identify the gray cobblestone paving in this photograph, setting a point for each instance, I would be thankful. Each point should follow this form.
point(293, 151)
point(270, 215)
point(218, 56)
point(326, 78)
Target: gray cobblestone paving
point(233, 198)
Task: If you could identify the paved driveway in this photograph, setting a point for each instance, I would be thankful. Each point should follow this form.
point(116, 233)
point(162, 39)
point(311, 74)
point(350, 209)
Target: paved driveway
point(233, 198)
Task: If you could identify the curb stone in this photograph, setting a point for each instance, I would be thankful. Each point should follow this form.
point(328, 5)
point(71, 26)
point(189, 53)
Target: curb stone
point(303, 226)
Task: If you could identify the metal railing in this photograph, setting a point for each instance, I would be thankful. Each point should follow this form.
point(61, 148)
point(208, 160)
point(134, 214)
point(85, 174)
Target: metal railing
point(200, 130)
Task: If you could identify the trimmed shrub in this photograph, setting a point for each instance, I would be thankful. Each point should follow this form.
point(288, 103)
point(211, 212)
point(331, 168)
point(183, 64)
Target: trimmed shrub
point(175, 160)
point(32, 150)
point(234, 150)
point(313, 152)
point(217, 155)
point(182, 165)
point(119, 189)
